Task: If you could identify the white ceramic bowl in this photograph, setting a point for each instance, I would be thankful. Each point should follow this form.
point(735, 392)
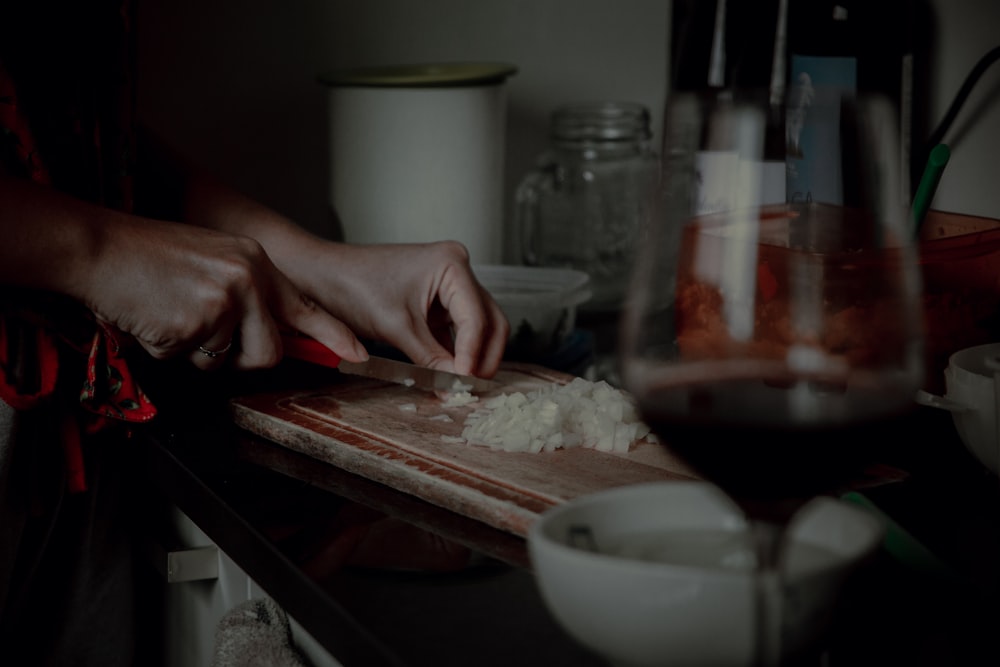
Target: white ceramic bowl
point(970, 396)
point(646, 611)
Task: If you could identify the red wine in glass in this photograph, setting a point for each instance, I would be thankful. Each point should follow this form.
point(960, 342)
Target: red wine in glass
point(756, 438)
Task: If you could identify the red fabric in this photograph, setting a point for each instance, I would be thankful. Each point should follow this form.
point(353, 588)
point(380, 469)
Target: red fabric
point(109, 391)
point(76, 475)
point(48, 368)
point(44, 340)
point(108, 394)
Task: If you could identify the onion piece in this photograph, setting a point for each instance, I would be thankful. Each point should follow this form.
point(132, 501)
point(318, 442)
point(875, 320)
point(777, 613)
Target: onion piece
point(578, 414)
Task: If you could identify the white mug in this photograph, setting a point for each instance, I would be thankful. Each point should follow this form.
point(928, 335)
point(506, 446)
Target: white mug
point(417, 154)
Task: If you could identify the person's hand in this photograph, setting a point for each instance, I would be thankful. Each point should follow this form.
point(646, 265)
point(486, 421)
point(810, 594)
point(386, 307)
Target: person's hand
point(184, 290)
point(422, 299)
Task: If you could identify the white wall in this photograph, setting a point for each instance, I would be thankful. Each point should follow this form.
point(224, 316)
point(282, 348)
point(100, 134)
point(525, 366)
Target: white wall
point(965, 31)
point(234, 81)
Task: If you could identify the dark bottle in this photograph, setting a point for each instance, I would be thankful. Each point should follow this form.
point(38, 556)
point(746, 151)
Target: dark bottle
point(795, 52)
point(736, 49)
point(838, 50)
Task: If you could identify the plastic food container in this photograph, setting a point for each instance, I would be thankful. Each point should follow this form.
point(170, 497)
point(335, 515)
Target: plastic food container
point(960, 259)
point(539, 302)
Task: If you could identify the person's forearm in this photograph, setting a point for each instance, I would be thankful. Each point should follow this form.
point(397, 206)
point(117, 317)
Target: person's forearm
point(51, 241)
point(211, 203)
point(180, 190)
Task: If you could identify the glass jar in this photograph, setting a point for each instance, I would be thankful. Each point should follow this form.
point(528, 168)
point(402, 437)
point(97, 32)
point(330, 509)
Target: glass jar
point(582, 204)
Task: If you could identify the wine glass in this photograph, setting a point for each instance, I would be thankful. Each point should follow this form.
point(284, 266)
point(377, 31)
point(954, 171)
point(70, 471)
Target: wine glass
point(775, 342)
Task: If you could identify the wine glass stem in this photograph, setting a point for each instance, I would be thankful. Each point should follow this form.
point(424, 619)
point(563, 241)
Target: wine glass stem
point(768, 593)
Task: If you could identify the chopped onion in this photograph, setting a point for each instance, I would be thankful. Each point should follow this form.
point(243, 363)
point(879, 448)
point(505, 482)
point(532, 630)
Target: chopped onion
point(441, 418)
point(458, 399)
point(579, 414)
point(458, 386)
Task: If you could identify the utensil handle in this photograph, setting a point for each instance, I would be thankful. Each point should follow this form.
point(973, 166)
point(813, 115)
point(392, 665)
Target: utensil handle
point(936, 163)
point(934, 401)
point(303, 348)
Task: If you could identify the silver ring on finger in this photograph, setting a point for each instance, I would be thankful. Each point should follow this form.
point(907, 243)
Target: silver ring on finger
point(212, 354)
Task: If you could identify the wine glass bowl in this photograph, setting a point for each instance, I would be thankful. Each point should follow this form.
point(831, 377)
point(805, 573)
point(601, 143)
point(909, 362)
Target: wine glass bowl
point(797, 364)
point(769, 344)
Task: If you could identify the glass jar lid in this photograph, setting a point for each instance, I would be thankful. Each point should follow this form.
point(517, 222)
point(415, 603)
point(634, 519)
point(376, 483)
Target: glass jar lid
point(601, 121)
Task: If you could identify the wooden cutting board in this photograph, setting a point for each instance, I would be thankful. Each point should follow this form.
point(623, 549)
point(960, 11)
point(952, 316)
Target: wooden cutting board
point(399, 437)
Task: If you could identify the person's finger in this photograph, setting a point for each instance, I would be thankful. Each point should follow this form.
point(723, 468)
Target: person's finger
point(215, 350)
point(477, 336)
point(496, 336)
point(260, 346)
point(479, 323)
point(480, 344)
point(297, 311)
point(410, 331)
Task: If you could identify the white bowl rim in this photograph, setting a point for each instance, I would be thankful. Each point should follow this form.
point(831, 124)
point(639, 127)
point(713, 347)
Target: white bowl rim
point(537, 534)
point(611, 562)
point(969, 359)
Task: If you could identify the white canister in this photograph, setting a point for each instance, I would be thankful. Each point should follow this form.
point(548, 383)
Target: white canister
point(417, 154)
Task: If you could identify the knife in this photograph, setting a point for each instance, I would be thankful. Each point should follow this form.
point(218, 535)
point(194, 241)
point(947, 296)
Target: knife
point(380, 368)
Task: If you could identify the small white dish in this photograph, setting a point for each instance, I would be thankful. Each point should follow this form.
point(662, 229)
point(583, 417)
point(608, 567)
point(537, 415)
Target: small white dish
point(661, 573)
point(970, 396)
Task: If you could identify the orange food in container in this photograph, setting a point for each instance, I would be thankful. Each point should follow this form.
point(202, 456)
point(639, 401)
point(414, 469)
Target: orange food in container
point(960, 265)
point(960, 258)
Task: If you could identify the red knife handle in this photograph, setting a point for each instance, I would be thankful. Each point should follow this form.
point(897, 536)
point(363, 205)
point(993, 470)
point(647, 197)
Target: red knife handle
point(309, 349)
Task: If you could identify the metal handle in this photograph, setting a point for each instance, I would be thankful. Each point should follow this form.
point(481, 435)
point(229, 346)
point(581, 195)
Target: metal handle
point(934, 401)
point(183, 565)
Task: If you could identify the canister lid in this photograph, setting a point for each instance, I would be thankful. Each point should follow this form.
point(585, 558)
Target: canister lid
point(421, 75)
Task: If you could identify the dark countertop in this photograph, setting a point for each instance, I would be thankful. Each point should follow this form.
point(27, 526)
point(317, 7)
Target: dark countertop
point(272, 510)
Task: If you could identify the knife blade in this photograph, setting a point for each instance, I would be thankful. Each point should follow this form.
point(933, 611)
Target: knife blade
point(381, 368)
